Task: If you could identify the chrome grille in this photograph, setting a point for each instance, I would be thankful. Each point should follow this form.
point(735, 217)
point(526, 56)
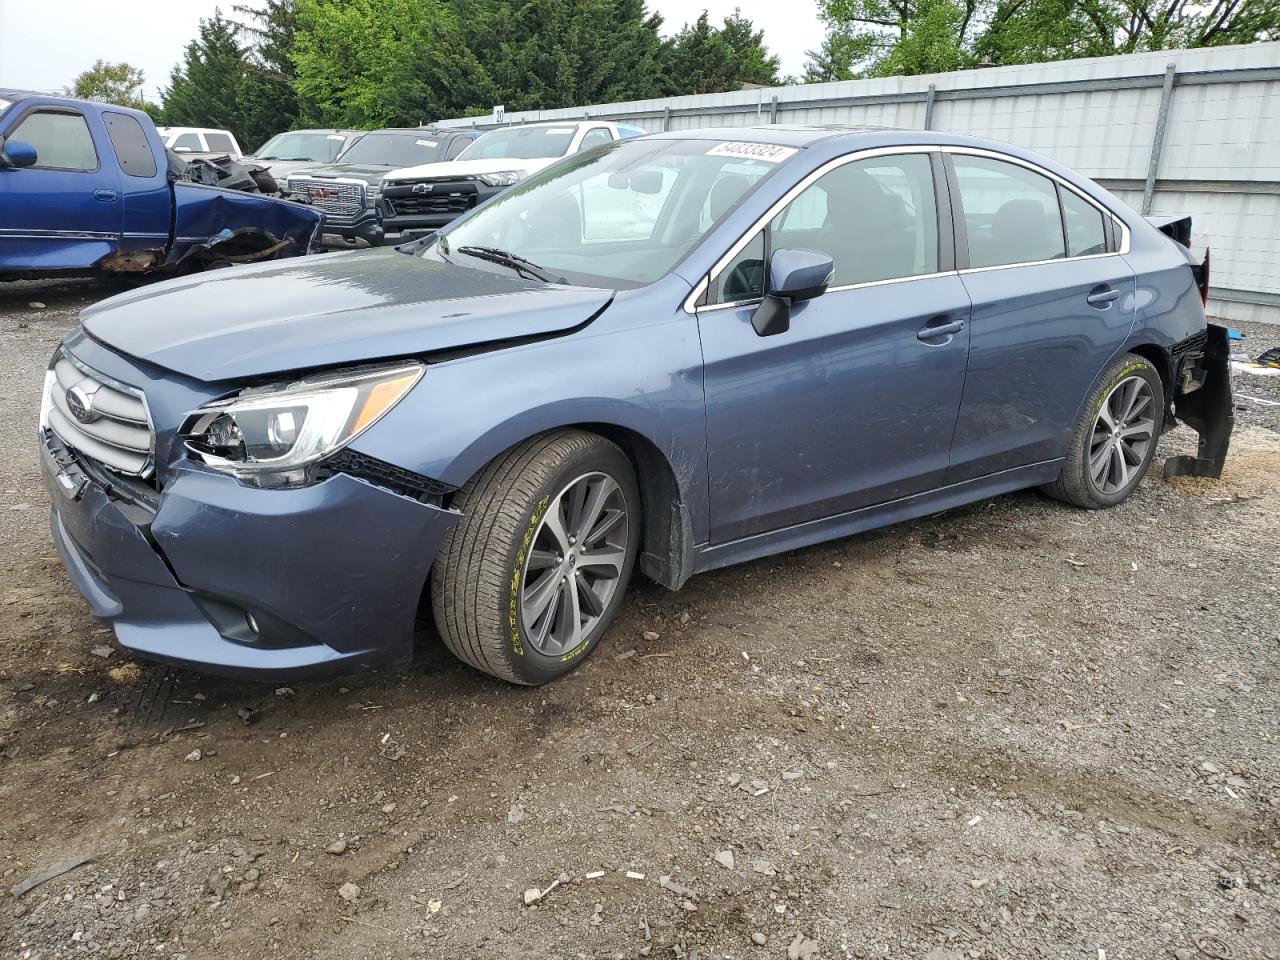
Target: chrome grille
point(101, 419)
point(334, 197)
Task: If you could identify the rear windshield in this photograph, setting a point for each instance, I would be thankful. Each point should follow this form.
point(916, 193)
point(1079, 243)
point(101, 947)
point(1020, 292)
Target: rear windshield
point(322, 147)
point(521, 143)
point(393, 150)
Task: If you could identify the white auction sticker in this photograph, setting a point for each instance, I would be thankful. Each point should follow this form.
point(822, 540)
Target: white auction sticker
point(335, 136)
point(425, 143)
point(768, 152)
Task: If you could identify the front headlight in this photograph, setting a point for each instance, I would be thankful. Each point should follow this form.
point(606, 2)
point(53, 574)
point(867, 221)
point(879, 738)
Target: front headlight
point(374, 192)
point(503, 178)
point(270, 436)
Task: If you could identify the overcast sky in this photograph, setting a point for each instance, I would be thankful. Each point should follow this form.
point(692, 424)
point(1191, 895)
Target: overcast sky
point(44, 45)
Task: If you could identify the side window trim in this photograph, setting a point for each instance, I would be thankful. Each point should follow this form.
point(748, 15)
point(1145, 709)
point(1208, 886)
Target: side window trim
point(67, 111)
point(696, 301)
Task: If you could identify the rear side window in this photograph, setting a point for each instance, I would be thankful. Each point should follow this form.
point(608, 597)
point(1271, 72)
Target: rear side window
point(1010, 213)
point(220, 143)
point(1086, 228)
point(131, 146)
point(62, 140)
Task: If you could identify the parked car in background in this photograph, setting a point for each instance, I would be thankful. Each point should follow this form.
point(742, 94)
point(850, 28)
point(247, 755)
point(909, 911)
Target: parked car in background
point(424, 198)
point(816, 332)
point(286, 153)
point(88, 187)
point(347, 190)
point(190, 142)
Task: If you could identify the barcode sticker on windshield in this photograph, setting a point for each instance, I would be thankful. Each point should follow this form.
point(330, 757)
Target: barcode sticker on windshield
point(768, 152)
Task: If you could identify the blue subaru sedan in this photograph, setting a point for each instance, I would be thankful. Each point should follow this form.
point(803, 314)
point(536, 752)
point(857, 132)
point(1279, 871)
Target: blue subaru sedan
point(669, 353)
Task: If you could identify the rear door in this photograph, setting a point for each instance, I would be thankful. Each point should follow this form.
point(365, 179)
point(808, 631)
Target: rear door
point(856, 403)
point(64, 212)
point(144, 185)
point(1052, 303)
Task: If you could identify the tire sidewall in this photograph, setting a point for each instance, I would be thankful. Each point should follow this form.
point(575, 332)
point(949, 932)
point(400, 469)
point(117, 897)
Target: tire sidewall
point(530, 665)
point(1124, 368)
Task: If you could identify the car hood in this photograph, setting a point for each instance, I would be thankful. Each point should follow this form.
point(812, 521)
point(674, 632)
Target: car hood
point(470, 168)
point(329, 310)
point(370, 173)
point(281, 169)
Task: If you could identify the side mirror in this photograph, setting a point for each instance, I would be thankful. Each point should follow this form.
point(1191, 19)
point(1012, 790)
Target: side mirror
point(15, 153)
point(794, 276)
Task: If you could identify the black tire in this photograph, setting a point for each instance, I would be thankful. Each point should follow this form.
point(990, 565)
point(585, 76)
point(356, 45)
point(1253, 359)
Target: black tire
point(476, 579)
point(1076, 484)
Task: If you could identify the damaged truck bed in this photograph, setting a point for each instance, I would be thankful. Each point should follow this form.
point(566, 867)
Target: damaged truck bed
point(89, 188)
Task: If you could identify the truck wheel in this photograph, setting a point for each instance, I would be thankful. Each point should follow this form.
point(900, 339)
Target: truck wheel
point(535, 571)
point(1114, 441)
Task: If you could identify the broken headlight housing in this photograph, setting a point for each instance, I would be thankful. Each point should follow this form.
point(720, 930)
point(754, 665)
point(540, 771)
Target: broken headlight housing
point(270, 436)
point(503, 178)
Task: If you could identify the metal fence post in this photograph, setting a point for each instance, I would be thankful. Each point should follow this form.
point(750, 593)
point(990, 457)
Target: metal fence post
point(1157, 139)
point(773, 109)
point(666, 118)
point(929, 99)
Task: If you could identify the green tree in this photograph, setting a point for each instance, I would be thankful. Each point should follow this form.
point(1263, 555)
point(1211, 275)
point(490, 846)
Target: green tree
point(117, 83)
point(268, 101)
point(893, 37)
point(205, 86)
point(707, 59)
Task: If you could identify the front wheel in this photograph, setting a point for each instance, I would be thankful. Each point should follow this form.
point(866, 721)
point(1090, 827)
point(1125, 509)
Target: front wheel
point(531, 577)
point(1114, 441)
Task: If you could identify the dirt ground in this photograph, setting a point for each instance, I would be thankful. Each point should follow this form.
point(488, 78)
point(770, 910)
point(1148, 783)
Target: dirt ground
point(1014, 731)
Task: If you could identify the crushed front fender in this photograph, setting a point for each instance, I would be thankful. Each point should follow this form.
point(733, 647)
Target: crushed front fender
point(1202, 399)
point(215, 226)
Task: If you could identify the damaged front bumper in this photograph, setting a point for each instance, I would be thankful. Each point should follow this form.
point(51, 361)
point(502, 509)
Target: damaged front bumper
point(1202, 399)
point(233, 580)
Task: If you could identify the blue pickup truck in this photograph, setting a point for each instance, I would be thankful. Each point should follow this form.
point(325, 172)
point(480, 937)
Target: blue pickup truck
point(89, 188)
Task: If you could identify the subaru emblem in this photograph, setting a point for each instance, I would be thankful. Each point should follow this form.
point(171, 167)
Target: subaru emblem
point(80, 403)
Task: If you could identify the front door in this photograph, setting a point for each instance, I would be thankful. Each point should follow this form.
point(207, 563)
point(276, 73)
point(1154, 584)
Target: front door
point(856, 403)
point(65, 211)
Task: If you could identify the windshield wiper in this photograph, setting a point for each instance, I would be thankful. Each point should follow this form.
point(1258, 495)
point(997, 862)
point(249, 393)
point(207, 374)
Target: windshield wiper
point(521, 265)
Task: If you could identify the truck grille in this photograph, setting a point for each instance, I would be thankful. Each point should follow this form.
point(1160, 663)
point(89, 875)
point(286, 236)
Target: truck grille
point(335, 198)
point(431, 196)
point(99, 418)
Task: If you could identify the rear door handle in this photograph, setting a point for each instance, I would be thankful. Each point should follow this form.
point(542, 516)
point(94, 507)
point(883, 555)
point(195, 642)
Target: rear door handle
point(938, 328)
point(106, 196)
point(1103, 296)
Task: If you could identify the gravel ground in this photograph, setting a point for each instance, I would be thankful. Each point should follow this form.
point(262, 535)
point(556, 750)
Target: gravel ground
point(1013, 730)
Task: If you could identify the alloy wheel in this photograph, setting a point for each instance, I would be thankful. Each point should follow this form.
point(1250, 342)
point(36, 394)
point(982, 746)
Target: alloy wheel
point(1122, 435)
point(574, 565)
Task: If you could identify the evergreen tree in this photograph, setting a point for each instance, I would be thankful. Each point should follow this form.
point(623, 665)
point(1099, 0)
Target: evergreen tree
point(707, 59)
point(204, 88)
point(268, 101)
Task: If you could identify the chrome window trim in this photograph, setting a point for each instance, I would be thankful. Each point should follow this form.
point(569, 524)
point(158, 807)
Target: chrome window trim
point(690, 303)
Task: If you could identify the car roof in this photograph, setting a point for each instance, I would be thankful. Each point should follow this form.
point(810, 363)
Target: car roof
point(17, 96)
point(419, 131)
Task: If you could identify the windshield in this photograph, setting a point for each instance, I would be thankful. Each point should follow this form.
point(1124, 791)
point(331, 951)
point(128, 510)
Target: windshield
point(322, 147)
point(393, 150)
point(621, 215)
point(520, 143)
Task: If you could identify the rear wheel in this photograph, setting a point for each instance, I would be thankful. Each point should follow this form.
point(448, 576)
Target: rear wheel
point(535, 571)
point(1114, 441)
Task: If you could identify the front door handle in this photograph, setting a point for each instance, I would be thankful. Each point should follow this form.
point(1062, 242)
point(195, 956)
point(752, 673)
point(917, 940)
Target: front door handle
point(939, 327)
point(1102, 296)
point(106, 196)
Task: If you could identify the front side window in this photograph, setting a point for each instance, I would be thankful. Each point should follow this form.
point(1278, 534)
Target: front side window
point(594, 137)
point(622, 215)
point(220, 143)
point(62, 140)
point(877, 219)
point(521, 143)
point(1010, 213)
point(187, 143)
